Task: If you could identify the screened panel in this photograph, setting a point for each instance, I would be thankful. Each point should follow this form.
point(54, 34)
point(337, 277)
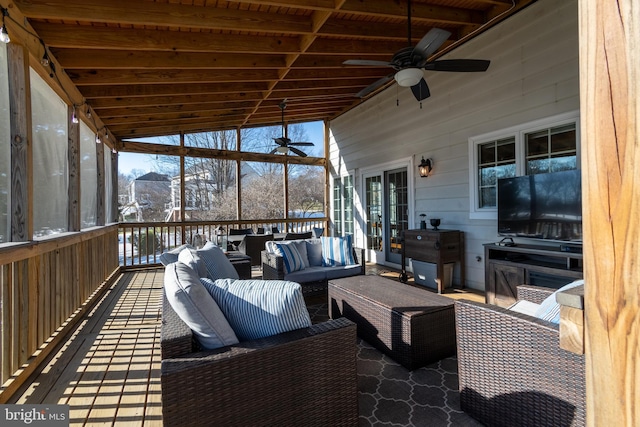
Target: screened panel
point(262, 186)
point(50, 164)
point(108, 187)
point(306, 191)
point(145, 186)
point(5, 149)
point(221, 140)
point(210, 189)
point(88, 177)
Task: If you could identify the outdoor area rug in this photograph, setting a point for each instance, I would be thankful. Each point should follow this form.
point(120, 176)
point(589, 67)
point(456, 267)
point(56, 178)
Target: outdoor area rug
point(390, 395)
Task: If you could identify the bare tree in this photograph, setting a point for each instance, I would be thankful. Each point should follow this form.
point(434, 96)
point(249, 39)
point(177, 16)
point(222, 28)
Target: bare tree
point(306, 190)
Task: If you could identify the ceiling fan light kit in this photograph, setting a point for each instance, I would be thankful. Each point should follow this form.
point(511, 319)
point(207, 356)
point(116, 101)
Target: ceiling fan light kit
point(409, 62)
point(284, 144)
point(408, 77)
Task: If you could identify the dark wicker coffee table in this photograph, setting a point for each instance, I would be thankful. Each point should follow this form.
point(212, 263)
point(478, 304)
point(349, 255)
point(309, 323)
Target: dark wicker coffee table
point(413, 326)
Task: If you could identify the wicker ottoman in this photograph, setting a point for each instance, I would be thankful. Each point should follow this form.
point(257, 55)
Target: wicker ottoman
point(413, 326)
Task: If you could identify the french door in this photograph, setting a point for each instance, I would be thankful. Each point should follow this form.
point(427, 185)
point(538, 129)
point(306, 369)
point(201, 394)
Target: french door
point(386, 208)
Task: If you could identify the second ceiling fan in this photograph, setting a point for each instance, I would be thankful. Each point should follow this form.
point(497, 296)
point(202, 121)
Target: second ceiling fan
point(409, 62)
point(284, 144)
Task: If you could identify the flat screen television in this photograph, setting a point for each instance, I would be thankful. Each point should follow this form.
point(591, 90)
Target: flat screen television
point(542, 206)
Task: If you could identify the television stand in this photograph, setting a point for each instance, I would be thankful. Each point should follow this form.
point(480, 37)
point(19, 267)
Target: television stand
point(507, 267)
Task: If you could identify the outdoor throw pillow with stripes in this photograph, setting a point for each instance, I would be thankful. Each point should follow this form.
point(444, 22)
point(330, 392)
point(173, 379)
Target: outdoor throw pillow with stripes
point(549, 310)
point(291, 257)
point(336, 251)
point(260, 308)
point(217, 264)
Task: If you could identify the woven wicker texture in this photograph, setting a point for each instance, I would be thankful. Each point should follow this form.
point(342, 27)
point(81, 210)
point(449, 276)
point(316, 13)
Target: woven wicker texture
point(413, 326)
point(512, 371)
point(303, 377)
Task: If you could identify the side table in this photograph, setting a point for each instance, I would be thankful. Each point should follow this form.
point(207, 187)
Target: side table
point(241, 262)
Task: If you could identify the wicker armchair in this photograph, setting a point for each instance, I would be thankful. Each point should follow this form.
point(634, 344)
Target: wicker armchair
point(512, 371)
point(305, 377)
point(252, 245)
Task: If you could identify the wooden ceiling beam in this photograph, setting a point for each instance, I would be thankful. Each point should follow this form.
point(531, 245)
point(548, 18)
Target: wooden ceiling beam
point(134, 90)
point(126, 12)
point(97, 59)
point(77, 36)
point(420, 12)
point(142, 77)
point(109, 113)
point(144, 101)
point(172, 150)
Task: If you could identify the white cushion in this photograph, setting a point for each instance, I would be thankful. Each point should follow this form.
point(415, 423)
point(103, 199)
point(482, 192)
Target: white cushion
point(291, 257)
point(260, 308)
point(195, 306)
point(337, 251)
point(216, 263)
point(171, 256)
point(525, 307)
point(191, 258)
point(549, 310)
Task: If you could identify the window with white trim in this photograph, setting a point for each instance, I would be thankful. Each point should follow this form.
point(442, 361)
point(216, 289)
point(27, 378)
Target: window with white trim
point(547, 145)
point(343, 205)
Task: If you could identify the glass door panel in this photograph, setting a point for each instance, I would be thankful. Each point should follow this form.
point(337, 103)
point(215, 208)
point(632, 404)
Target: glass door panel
point(397, 210)
point(373, 207)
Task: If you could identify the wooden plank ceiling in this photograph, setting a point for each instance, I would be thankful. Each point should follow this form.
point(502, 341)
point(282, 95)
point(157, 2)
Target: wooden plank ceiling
point(158, 67)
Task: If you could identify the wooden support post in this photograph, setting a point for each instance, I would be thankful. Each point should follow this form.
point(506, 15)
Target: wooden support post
point(21, 147)
point(74, 187)
point(610, 150)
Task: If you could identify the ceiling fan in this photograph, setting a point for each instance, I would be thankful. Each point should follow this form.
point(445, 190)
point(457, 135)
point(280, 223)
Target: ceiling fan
point(284, 144)
point(409, 62)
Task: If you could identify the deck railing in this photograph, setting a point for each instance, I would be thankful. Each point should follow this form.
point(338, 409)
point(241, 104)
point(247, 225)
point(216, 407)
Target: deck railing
point(142, 243)
point(44, 286)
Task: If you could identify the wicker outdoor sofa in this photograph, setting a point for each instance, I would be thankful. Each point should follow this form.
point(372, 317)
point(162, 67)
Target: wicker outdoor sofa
point(512, 371)
point(302, 377)
point(313, 279)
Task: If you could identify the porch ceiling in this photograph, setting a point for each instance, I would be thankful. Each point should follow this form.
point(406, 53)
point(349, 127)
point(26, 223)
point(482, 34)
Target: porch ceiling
point(157, 67)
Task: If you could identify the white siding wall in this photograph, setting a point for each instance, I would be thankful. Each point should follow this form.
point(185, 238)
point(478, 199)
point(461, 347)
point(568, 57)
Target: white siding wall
point(533, 75)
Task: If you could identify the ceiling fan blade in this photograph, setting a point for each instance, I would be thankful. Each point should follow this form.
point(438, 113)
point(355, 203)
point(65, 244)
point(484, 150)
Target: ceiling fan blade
point(373, 86)
point(298, 152)
point(430, 43)
point(459, 65)
point(368, 62)
point(273, 151)
point(282, 141)
point(421, 90)
point(307, 144)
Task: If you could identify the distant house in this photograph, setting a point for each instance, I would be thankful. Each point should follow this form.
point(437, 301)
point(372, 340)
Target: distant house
point(201, 188)
point(147, 198)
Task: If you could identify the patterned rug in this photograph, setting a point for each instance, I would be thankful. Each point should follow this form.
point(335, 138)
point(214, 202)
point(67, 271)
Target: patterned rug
point(390, 395)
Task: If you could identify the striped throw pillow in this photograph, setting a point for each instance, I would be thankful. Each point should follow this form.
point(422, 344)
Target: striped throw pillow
point(549, 310)
point(217, 264)
point(260, 308)
point(291, 257)
point(337, 251)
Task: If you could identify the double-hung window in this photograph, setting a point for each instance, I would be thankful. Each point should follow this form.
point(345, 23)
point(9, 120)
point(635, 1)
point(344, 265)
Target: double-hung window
point(548, 145)
point(343, 205)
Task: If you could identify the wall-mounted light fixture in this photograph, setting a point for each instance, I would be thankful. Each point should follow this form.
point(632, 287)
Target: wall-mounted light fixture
point(4, 34)
point(425, 167)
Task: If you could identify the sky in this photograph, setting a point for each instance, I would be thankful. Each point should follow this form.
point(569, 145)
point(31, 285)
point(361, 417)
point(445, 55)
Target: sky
point(128, 161)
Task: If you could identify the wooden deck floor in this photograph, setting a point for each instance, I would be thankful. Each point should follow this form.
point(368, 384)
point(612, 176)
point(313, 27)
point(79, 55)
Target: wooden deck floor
point(109, 371)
